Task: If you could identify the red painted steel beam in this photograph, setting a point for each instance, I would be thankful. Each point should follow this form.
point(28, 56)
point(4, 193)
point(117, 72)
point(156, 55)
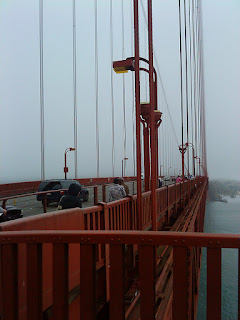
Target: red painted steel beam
point(194, 239)
point(60, 281)
point(87, 282)
point(137, 101)
point(9, 262)
point(34, 281)
point(214, 283)
point(117, 279)
point(146, 158)
point(152, 120)
point(147, 264)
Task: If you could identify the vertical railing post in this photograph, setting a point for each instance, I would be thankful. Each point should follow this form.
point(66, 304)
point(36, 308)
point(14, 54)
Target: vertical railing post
point(87, 281)
point(167, 213)
point(176, 204)
point(214, 283)
point(104, 193)
point(9, 281)
point(4, 204)
point(95, 190)
point(107, 259)
point(117, 281)
point(180, 284)
point(60, 281)
point(45, 203)
point(34, 281)
point(147, 281)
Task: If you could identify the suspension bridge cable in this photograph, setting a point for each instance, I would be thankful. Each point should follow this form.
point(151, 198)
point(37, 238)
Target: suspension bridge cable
point(191, 80)
point(41, 88)
point(112, 99)
point(124, 92)
point(96, 84)
point(181, 69)
point(195, 76)
point(186, 71)
point(160, 78)
point(133, 93)
point(75, 88)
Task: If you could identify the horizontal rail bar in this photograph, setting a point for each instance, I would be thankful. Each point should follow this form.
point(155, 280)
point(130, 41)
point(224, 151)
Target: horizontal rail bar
point(183, 239)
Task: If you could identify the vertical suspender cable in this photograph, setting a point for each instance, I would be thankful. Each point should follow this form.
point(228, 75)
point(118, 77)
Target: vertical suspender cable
point(111, 44)
point(181, 79)
point(41, 88)
point(195, 77)
point(96, 85)
point(75, 88)
point(133, 92)
point(186, 65)
point(124, 95)
point(191, 80)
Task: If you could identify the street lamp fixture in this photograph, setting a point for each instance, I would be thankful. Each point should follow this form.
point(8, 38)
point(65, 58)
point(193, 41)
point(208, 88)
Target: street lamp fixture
point(65, 169)
point(124, 159)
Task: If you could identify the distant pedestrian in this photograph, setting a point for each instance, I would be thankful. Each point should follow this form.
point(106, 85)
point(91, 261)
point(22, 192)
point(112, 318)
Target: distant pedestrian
point(179, 179)
point(160, 182)
point(71, 199)
point(125, 186)
point(116, 191)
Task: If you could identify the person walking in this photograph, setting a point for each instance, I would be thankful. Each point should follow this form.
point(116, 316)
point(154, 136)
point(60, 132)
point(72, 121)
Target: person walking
point(116, 191)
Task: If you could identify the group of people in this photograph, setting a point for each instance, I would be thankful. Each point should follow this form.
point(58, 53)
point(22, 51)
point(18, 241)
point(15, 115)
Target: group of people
point(117, 191)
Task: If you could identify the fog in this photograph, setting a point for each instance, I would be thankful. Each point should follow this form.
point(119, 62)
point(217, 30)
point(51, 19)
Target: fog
point(20, 132)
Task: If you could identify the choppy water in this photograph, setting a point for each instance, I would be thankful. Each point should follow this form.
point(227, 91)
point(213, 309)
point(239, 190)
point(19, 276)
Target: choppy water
point(222, 218)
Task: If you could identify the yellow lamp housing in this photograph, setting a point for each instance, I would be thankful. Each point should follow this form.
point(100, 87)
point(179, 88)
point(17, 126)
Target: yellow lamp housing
point(123, 66)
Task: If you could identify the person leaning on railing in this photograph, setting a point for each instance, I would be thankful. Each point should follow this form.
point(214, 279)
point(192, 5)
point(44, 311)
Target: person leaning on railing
point(116, 191)
point(125, 186)
point(71, 199)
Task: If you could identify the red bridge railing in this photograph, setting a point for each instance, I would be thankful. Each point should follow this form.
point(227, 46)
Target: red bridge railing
point(183, 245)
point(110, 217)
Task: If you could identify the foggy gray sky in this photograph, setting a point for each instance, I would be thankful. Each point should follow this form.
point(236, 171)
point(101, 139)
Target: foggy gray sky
point(19, 86)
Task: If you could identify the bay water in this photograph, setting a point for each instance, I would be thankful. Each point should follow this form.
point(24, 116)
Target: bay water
point(222, 218)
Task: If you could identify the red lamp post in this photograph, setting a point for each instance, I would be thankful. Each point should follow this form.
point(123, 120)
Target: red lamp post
point(151, 120)
point(65, 169)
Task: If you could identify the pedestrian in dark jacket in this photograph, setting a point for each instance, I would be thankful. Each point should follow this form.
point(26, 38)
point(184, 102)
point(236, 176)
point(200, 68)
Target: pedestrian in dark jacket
point(71, 199)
